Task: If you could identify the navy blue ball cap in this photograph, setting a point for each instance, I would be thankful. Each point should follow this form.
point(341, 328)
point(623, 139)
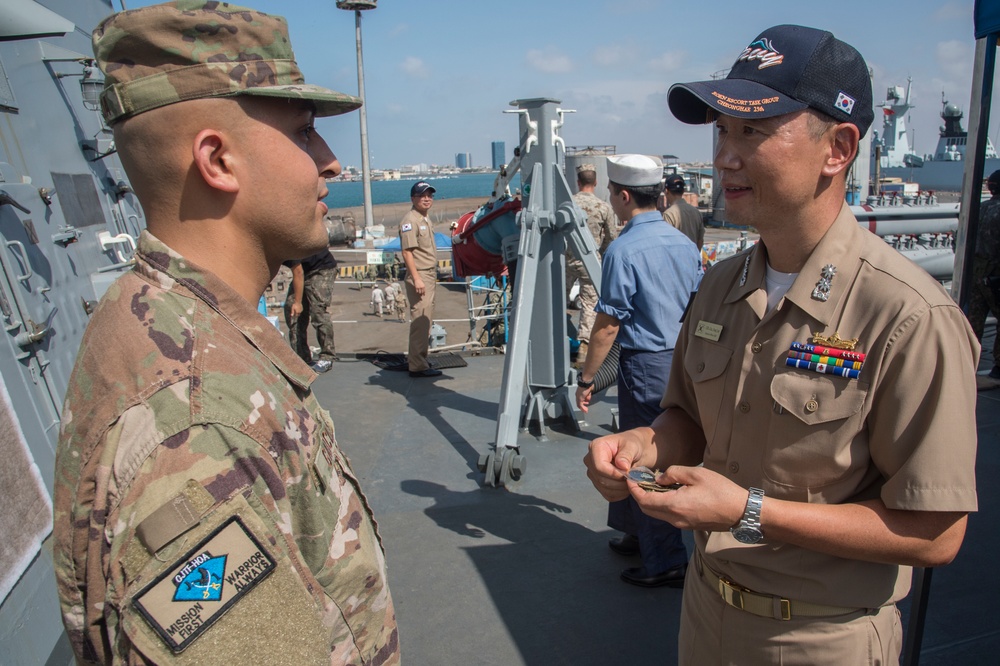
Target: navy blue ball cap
point(674, 183)
point(787, 68)
point(420, 187)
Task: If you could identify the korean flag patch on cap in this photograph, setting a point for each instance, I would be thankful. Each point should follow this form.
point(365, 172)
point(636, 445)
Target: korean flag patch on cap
point(845, 103)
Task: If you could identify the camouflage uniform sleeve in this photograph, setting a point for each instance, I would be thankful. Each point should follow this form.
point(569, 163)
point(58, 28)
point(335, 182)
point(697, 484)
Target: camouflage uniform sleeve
point(610, 224)
point(988, 235)
point(226, 549)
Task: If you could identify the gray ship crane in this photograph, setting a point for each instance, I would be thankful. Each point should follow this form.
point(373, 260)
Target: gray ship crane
point(538, 381)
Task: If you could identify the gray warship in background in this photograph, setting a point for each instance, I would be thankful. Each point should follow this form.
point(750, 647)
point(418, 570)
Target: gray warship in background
point(940, 171)
point(68, 224)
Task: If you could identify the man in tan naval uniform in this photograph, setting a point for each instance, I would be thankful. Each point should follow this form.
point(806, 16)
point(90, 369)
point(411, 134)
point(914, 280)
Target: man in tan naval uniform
point(679, 213)
point(826, 475)
point(204, 513)
point(603, 227)
point(416, 238)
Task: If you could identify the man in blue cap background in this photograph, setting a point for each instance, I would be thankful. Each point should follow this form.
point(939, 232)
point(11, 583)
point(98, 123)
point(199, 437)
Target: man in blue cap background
point(416, 238)
point(820, 412)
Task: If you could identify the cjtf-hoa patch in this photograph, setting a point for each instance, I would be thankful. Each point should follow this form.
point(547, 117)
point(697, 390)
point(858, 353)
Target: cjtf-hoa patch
point(186, 599)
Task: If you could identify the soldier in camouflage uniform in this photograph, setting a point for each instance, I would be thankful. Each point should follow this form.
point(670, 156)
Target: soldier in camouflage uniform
point(986, 265)
point(308, 301)
point(204, 512)
point(604, 226)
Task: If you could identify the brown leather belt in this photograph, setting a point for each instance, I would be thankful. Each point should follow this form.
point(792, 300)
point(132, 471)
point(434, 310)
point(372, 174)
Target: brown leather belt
point(765, 605)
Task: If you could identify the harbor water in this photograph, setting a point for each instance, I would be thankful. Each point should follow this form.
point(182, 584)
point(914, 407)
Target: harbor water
point(463, 186)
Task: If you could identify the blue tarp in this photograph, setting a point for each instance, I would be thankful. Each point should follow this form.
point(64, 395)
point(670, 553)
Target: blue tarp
point(987, 18)
point(441, 241)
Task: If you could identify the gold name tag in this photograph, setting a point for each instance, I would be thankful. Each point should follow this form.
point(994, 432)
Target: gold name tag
point(185, 600)
point(708, 330)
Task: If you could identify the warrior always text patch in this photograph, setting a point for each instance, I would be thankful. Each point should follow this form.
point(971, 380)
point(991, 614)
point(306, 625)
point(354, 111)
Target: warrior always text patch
point(202, 585)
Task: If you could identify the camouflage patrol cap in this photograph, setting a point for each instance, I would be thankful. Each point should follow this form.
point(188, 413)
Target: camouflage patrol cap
point(586, 167)
point(191, 49)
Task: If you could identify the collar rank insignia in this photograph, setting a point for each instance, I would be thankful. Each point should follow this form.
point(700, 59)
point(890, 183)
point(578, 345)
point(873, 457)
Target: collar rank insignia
point(746, 269)
point(822, 290)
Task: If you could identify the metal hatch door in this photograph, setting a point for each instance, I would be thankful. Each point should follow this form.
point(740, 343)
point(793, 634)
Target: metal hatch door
point(29, 316)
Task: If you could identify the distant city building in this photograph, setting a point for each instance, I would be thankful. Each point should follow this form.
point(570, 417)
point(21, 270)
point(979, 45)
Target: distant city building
point(499, 154)
point(463, 160)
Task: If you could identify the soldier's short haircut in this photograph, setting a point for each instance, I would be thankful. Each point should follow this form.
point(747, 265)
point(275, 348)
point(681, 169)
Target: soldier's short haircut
point(586, 178)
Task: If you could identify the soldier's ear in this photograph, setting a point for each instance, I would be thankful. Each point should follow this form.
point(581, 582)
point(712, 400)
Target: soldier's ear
point(214, 160)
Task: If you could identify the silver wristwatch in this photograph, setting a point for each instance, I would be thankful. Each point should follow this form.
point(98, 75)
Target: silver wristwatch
point(748, 529)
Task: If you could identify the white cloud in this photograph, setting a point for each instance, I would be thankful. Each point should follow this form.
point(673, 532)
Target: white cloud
point(952, 11)
point(399, 29)
point(415, 67)
point(611, 56)
point(955, 58)
point(668, 62)
point(550, 60)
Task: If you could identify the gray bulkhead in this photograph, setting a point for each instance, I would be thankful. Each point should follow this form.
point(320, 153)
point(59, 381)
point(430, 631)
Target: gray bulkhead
point(68, 223)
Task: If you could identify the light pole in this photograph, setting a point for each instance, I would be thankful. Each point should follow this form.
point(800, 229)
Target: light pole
point(357, 6)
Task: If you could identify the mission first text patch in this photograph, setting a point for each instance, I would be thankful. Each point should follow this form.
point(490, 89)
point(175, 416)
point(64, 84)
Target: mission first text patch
point(203, 584)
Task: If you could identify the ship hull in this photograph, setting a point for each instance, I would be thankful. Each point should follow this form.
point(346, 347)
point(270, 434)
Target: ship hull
point(937, 176)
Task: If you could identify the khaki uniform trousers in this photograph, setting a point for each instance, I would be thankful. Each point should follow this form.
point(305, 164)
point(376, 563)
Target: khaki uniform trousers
point(421, 314)
point(715, 633)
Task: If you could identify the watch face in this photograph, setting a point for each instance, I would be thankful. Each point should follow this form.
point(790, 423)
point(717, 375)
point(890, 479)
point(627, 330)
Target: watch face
point(747, 534)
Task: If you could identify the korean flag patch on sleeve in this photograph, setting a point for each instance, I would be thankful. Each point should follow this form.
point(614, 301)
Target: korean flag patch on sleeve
point(845, 103)
point(406, 227)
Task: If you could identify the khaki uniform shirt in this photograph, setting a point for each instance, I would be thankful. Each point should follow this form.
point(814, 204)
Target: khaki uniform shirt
point(904, 431)
point(682, 215)
point(417, 234)
point(203, 510)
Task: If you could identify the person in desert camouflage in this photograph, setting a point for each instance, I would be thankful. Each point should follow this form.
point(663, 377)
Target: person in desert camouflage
point(203, 510)
point(603, 225)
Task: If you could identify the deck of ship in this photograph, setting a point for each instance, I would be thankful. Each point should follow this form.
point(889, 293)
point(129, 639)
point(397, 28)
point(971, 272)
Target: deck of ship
point(523, 575)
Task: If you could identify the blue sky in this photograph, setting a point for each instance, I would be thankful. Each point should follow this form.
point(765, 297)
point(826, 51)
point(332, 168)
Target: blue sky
point(440, 73)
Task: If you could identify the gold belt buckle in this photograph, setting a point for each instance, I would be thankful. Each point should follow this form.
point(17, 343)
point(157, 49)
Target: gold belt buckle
point(732, 593)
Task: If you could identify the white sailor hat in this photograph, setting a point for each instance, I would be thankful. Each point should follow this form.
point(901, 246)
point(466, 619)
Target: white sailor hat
point(634, 170)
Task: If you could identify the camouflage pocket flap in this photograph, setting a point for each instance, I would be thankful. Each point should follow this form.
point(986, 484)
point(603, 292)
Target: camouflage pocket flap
point(227, 591)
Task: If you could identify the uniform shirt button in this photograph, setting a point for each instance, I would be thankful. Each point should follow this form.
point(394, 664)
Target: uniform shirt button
point(756, 347)
point(701, 367)
point(734, 467)
point(812, 406)
point(744, 407)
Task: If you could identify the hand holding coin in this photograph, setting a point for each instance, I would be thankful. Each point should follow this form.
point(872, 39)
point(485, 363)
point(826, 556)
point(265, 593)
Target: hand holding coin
point(645, 478)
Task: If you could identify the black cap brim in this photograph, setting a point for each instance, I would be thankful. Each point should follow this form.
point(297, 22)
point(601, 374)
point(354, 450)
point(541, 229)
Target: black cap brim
point(698, 103)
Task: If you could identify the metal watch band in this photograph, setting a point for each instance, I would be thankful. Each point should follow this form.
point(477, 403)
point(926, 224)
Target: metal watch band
point(755, 501)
